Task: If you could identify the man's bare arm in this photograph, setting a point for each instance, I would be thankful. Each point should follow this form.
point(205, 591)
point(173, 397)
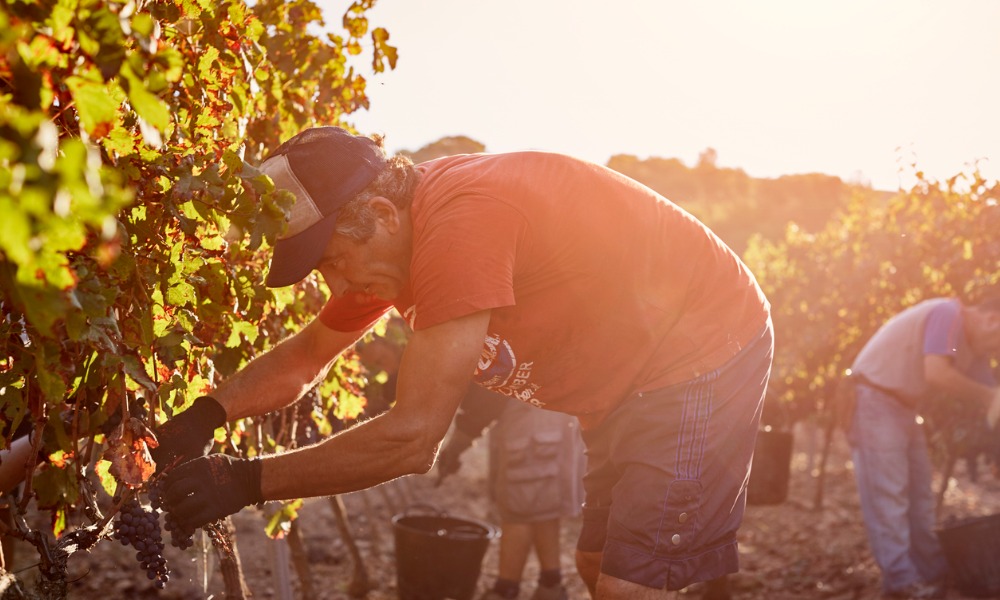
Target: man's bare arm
point(943, 376)
point(434, 376)
point(282, 375)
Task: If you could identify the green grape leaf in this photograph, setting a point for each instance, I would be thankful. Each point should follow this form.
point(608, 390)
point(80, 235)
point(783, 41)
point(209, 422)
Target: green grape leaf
point(54, 486)
point(96, 104)
point(146, 104)
point(280, 522)
point(108, 482)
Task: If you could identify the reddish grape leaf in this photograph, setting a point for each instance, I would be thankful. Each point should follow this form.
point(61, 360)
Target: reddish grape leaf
point(128, 453)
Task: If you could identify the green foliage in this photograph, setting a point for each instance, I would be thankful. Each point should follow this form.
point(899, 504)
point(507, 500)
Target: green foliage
point(281, 521)
point(832, 289)
point(134, 229)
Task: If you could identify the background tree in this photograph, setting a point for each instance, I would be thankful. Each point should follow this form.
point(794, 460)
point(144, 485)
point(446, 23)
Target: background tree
point(737, 206)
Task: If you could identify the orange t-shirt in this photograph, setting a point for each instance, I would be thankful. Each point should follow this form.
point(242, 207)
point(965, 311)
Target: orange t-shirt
point(598, 286)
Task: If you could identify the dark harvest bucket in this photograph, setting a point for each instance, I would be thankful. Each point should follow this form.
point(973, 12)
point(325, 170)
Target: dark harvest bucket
point(438, 556)
point(972, 547)
point(771, 467)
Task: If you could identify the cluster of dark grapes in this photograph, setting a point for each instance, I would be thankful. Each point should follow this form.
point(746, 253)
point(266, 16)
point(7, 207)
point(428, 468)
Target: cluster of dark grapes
point(180, 537)
point(140, 528)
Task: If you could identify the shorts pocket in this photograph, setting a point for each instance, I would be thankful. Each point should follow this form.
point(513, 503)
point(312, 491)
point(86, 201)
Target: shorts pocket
point(546, 445)
point(530, 482)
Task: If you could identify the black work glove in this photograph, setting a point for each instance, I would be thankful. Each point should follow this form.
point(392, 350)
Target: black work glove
point(449, 459)
point(211, 487)
point(448, 463)
point(189, 434)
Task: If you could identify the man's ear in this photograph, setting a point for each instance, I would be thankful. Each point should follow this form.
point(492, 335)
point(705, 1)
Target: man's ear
point(386, 212)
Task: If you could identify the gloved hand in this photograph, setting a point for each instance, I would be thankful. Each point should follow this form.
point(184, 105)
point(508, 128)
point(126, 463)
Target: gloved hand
point(449, 459)
point(189, 434)
point(448, 463)
point(211, 487)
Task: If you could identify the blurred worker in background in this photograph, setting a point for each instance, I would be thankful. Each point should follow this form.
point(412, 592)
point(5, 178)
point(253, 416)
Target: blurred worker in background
point(938, 346)
point(536, 466)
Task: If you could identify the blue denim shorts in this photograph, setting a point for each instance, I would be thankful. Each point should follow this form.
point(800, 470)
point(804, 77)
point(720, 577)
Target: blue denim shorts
point(667, 475)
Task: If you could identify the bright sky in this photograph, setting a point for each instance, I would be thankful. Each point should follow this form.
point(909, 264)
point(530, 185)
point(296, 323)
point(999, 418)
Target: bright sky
point(850, 88)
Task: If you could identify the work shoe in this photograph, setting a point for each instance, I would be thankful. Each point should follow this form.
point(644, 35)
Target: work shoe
point(917, 591)
point(555, 592)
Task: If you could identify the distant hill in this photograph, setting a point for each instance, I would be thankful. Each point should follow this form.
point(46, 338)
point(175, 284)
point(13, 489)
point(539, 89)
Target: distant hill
point(733, 204)
point(736, 205)
point(446, 146)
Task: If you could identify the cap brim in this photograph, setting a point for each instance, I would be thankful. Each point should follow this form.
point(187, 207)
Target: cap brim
point(295, 257)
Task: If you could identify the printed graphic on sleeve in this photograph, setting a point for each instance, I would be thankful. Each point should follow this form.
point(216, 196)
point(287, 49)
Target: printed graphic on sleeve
point(498, 370)
point(410, 316)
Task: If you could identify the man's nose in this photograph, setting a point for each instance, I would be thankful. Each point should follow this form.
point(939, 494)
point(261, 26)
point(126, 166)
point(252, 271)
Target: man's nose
point(338, 285)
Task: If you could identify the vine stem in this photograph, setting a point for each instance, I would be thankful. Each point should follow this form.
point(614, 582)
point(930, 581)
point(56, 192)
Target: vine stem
point(75, 436)
point(6, 530)
point(33, 537)
point(222, 535)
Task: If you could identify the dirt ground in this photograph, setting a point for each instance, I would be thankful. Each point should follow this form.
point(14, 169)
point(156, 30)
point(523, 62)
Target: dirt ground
point(789, 551)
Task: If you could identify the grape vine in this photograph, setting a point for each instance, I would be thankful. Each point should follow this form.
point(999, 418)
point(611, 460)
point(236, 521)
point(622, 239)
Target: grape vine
point(135, 230)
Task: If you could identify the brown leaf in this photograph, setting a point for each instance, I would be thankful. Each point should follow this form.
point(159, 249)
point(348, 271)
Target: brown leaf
point(141, 433)
point(128, 453)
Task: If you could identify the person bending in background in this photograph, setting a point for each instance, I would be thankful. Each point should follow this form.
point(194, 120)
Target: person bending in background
point(536, 465)
point(937, 346)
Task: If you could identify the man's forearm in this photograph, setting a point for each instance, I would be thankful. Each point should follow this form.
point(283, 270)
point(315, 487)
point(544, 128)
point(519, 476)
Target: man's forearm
point(434, 376)
point(358, 458)
point(282, 375)
point(16, 462)
point(947, 379)
point(963, 387)
point(258, 389)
